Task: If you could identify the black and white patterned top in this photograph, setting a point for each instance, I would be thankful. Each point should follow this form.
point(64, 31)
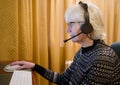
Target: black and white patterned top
point(94, 65)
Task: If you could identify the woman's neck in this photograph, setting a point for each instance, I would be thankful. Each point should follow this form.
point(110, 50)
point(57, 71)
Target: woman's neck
point(87, 42)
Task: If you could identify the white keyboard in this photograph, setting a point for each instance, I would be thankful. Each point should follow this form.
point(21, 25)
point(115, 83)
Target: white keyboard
point(21, 77)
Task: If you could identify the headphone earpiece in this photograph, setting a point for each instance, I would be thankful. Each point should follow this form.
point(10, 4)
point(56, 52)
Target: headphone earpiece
point(86, 28)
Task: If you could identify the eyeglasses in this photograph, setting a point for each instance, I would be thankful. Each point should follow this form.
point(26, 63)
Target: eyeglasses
point(71, 24)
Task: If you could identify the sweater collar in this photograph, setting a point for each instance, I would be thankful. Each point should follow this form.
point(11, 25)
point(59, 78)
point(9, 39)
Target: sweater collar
point(85, 49)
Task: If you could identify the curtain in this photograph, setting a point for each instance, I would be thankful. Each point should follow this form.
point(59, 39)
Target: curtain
point(34, 30)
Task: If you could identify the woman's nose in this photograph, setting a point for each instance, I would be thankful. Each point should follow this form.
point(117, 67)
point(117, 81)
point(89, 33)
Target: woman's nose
point(68, 29)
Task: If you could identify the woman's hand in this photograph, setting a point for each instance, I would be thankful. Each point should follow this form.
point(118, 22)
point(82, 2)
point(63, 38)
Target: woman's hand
point(23, 64)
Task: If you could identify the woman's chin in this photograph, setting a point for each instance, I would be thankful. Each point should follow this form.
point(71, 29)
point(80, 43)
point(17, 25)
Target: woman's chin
point(73, 40)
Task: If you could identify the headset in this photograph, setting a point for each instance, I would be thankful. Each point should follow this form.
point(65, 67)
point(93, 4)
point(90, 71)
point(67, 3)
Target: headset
point(86, 28)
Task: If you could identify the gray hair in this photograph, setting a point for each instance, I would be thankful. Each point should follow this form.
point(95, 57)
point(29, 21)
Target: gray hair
point(75, 13)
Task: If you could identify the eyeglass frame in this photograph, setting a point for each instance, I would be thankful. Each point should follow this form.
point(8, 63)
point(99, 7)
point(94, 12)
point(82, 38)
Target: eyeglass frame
point(71, 24)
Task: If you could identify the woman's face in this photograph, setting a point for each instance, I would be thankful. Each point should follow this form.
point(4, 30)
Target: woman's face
point(73, 29)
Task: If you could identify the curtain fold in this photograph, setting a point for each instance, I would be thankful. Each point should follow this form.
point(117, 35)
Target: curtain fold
point(34, 30)
point(25, 30)
point(40, 37)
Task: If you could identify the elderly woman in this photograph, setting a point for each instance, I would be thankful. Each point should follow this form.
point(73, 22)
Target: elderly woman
point(95, 63)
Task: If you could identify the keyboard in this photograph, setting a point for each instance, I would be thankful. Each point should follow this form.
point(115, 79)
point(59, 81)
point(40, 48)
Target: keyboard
point(21, 77)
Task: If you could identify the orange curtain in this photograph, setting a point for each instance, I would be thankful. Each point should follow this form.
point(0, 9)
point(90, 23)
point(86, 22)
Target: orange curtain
point(34, 30)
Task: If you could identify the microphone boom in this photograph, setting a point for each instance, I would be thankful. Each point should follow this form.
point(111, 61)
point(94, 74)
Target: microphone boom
point(72, 37)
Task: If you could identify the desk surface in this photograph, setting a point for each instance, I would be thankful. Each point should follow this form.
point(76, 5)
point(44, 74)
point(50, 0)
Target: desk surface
point(4, 76)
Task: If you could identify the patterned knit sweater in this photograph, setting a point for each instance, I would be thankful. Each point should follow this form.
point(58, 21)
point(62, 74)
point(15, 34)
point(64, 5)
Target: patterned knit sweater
point(94, 65)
